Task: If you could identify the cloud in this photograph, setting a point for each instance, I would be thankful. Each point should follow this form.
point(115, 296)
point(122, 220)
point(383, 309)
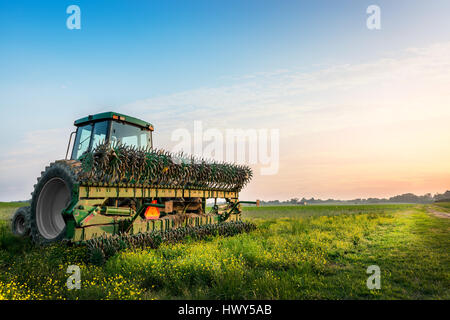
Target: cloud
point(332, 120)
point(23, 163)
point(381, 91)
point(347, 116)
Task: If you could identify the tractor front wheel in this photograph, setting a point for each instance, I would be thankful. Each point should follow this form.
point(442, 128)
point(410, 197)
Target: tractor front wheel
point(52, 194)
point(20, 222)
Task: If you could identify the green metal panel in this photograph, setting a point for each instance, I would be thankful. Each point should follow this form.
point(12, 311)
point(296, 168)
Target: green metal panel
point(109, 116)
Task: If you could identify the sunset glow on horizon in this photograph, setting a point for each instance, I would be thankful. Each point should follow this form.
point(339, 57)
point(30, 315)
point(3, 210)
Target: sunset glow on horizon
point(361, 113)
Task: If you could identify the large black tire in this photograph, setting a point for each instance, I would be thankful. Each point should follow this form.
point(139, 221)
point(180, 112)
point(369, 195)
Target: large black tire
point(20, 222)
point(52, 194)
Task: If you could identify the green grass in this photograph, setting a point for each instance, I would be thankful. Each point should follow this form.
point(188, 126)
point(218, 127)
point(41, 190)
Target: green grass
point(309, 252)
point(445, 205)
point(7, 209)
point(317, 210)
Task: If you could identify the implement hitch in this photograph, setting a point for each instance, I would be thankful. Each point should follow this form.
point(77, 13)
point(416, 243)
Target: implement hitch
point(234, 208)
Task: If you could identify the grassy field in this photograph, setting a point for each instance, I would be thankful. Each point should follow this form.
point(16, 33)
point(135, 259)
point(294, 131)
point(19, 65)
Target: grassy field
point(445, 205)
point(317, 210)
point(304, 252)
point(7, 209)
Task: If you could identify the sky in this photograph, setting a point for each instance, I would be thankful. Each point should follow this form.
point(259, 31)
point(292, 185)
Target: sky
point(360, 113)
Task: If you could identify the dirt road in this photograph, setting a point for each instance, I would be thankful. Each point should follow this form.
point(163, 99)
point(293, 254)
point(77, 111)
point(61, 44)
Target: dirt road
point(438, 212)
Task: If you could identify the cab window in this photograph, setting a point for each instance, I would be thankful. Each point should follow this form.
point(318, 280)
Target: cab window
point(100, 130)
point(82, 141)
point(130, 135)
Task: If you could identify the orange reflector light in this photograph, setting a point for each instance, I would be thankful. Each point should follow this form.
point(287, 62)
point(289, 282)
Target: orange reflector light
point(115, 117)
point(152, 213)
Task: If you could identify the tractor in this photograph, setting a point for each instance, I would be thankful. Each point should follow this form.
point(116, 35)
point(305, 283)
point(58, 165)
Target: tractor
point(113, 181)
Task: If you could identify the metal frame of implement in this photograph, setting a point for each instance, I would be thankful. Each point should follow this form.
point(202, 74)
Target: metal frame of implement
point(87, 217)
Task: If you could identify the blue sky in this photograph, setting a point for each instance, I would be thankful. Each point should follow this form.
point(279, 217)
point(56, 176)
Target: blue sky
point(130, 51)
point(136, 49)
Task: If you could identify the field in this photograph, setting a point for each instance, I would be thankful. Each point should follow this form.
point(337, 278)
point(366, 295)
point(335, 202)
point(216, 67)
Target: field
point(445, 205)
point(297, 252)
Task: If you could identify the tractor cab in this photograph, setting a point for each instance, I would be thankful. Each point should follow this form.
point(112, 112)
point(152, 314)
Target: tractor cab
point(109, 127)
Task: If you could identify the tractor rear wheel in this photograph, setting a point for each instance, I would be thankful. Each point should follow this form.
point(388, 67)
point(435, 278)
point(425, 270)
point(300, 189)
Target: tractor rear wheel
point(52, 194)
point(20, 222)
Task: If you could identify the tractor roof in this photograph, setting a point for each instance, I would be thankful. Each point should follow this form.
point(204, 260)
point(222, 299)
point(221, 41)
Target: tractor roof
point(113, 116)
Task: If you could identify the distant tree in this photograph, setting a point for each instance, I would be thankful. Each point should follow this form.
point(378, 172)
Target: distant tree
point(441, 197)
point(403, 198)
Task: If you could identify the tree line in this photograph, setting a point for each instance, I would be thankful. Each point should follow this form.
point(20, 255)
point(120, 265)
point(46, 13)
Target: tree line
point(403, 198)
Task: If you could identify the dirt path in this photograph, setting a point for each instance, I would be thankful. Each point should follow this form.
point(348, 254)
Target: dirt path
point(434, 211)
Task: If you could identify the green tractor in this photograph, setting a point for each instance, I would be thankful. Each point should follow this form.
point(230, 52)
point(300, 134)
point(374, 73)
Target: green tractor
point(115, 182)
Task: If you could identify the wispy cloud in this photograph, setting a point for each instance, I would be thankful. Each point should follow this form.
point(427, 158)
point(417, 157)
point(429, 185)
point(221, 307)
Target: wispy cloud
point(21, 165)
point(380, 123)
point(390, 89)
point(345, 115)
